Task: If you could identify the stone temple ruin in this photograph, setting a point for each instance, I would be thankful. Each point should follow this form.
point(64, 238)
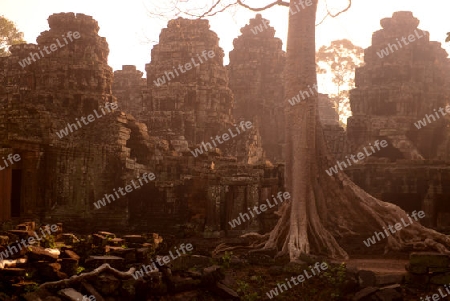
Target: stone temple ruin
point(391, 95)
point(157, 126)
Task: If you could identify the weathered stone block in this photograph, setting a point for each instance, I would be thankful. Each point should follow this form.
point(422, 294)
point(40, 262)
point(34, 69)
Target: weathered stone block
point(95, 261)
point(211, 275)
point(107, 284)
point(40, 254)
point(12, 272)
point(69, 266)
point(366, 278)
point(429, 259)
point(440, 279)
point(138, 239)
point(416, 269)
point(190, 261)
point(71, 294)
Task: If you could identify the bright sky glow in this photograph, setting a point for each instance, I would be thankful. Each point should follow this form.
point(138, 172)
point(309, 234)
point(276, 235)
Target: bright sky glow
point(131, 31)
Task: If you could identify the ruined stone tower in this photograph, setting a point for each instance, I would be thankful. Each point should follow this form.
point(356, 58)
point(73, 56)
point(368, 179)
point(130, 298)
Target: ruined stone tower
point(193, 101)
point(67, 163)
point(405, 77)
point(129, 87)
point(256, 68)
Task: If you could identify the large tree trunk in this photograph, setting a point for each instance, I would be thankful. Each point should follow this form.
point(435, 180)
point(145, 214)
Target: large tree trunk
point(323, 209)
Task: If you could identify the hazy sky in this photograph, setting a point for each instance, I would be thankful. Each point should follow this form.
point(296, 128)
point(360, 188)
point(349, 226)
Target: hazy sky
point(131, 31)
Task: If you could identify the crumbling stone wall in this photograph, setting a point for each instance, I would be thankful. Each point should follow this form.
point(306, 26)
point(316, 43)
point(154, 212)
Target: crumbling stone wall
point(190, 108)
point(60, 178)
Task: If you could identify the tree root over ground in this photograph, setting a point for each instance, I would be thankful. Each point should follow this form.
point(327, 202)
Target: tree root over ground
point(334, 208)
point(78, 279)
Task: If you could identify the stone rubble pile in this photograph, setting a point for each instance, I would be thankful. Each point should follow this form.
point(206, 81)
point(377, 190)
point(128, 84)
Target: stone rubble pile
point(103, 265)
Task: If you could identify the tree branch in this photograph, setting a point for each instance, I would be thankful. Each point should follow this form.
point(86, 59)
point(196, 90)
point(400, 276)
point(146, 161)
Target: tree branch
point(335, 15)
point(239, 2)
point(278, 2)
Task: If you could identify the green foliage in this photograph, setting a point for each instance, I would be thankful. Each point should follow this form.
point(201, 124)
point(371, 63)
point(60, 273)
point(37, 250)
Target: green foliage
point(258, 280)
point(9, 35)
point(29, 275)
point(80, 269)
point(226, 259)
point(245, 290)
point(31, 288)
point(336, 278)
point(48, 241)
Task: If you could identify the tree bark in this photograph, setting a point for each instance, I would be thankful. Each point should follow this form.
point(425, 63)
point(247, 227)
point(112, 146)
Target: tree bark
point(325, 208)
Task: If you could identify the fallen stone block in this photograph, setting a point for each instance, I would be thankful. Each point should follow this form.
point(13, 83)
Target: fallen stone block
point(71, 294)
point(440, 279)
point(31, 297)
point(129, 255)
point(180, 284)
point(99, 240)
point(115, 241)
point(429, 259)
point(389, 294)
point(389, 278)
point(211, 275)
point(50, 271)
point(12, 272)
point(226, 292)
point(416, 269)
point(92, 291)
point(40, 254)
point(96, 261)
point(69, 238)
point(135, 239)
point(69, 266)
point(70, 254)
point(106, 284)
point(4, 240)
point(108, 235)
point(183, 263)
point(364, 293)
point(366, 278)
